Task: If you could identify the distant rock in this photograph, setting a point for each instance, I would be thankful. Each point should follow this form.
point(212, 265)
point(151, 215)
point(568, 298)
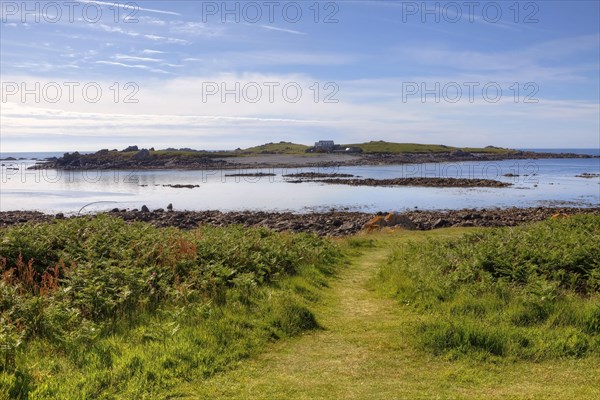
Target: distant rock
point(587, 175)
point(178, 186)
point(145, 209)
point(141, 155)
point(130, 148)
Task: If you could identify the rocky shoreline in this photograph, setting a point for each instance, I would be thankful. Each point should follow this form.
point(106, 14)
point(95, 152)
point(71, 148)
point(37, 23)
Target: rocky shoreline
point(424, 182)
point(333, 223)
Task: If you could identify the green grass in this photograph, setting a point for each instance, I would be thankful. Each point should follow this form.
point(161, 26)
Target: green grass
point(529, 293)
point(458, 313)
point(96, 308)
point(275, 148)
point(367, 348)
point(107, 158)
point(382, 147)
point(373, 147)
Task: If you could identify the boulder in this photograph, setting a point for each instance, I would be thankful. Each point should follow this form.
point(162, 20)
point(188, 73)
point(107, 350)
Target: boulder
point(440, 223)
point(395, 219)
point(130, 148)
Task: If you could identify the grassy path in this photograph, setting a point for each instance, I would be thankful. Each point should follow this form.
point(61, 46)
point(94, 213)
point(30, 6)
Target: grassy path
point(364, 352)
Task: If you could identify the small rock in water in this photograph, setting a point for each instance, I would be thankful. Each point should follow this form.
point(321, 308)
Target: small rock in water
point(145, 208)
point(170, 207)
point(114, 210)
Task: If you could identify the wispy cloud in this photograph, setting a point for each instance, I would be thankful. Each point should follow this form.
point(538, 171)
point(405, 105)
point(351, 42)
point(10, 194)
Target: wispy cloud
point(116, 29)
point(148, 51)
point(166, 39)
point(274, 28)
point(250, 59)
point(137, 66)
point(135, 58)
point(132, 6)
point(194, 29)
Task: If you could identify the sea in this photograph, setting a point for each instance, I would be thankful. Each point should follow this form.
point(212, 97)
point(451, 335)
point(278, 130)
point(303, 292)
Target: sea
point(535, 183)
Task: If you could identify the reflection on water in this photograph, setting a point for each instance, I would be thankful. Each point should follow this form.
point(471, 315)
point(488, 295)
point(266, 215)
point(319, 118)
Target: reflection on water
point(535, 183)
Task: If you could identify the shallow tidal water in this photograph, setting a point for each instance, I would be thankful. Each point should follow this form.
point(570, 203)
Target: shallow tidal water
point(545, 182)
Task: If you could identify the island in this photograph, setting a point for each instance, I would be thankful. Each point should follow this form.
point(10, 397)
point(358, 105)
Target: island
point(286, 155)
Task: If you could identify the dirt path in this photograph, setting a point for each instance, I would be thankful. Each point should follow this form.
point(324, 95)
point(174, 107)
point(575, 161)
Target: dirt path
point(349, 359)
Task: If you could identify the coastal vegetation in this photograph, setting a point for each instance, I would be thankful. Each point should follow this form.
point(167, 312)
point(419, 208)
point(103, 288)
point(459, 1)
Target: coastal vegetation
point(274, 148)
point(526, 293)
point(414, 316)
point(286, 155)
point(99, 308)
point(134, 153)
point(383, 147)
point(372, 147)
point(96, 308)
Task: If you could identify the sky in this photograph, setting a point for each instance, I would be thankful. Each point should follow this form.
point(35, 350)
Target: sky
point(82, 75)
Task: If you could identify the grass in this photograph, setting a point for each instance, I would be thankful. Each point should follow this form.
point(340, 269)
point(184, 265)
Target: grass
point(382, 147)
point(528, 293)
point(374, 147)
point(281, 148)
point(96, 308)
point(369, 346)
point(409, 315)
point(275, 148)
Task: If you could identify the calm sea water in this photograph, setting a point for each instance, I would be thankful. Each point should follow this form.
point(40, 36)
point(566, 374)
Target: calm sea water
point(539, 183)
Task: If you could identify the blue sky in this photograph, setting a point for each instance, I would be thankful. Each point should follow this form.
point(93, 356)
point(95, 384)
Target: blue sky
point(352, 71)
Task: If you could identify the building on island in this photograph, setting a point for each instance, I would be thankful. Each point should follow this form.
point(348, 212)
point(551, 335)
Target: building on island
point(325, 145)
point(328, 146)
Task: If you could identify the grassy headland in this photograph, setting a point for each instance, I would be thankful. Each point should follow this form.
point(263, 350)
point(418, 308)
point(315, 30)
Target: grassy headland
point(382, 147)
point(274, 148)
point(372, 147)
